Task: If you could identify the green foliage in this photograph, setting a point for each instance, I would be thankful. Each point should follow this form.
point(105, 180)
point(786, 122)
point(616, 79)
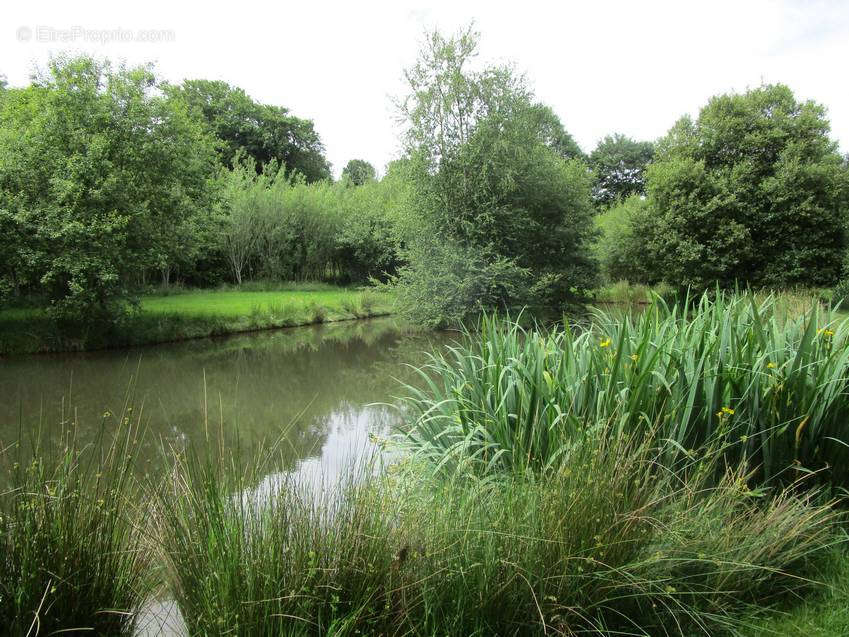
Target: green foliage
point(620, 247)
point(358, 172)
point(265, 133)
point(752, 190)
point(100, 177)
point(279, 227)
point(840, 295)
point(72, 558)
point(819, 615)
point(734, 372)
point(552, 133)
point(489, 186)
point(446, 98)
point(446, 283)
point(619, 164)
point(368, 234)
point(603, 545)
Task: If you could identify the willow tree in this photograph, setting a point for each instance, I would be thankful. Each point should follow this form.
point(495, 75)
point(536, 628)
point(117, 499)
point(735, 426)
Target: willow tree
point(503, 218)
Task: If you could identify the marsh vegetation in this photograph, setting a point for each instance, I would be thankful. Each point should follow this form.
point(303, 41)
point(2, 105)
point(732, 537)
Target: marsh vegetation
point(638, 429)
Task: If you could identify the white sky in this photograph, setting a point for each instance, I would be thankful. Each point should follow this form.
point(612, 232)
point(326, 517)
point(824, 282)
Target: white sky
point(631, 66)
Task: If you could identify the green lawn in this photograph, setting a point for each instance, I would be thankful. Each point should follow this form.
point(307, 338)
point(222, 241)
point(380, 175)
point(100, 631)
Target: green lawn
point(234, 303)
point(196, 314)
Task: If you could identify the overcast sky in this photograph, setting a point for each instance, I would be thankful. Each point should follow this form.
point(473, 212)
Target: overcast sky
point(629, 67)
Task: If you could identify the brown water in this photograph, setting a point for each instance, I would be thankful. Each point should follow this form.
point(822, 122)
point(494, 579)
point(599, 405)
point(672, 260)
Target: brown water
point(314, 386)
point(323, 389)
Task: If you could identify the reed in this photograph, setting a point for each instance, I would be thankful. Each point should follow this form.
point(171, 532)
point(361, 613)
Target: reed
point(767, 384)
point(73, 553)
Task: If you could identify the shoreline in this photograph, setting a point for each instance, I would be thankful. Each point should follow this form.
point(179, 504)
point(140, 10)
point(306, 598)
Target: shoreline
point(201, 316)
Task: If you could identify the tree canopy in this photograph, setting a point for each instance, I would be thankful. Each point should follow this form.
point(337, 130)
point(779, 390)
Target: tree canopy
point(619, 164)
point(359, 172)
point(752, 190)
point(263, 132)
point(99, 174)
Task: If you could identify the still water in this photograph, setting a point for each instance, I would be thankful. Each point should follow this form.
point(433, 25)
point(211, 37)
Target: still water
point(322, 390)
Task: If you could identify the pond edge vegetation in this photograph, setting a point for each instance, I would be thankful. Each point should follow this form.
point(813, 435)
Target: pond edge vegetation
point(591, 519)
point(28, 332)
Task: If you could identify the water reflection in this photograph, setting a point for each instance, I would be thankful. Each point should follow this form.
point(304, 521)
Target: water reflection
point(317, 390)
point(310, 386)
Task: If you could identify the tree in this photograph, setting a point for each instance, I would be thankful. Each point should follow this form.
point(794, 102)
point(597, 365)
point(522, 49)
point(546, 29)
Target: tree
point(264, 133)
point(620, 248)
point(97, 169)
point(244, 191)
point(490, 189)
point(552, 133)
point(753, 190)
point(358, 172)
point(619, 164)
point(446, 98)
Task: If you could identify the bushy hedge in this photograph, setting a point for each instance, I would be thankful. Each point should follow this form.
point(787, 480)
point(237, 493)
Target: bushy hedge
point(276, 226)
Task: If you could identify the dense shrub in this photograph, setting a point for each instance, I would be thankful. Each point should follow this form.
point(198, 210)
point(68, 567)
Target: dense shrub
point(278, 227)
point(620, 246)
point(101, 177)
point(446, 283)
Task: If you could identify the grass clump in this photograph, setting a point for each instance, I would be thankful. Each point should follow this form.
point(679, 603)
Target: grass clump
point(768, 387)
point(606, 544)
point(276, 560)
point(72, 552)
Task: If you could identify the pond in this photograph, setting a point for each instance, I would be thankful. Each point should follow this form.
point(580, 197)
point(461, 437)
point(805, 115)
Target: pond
point(318, 387)
point(321, 389)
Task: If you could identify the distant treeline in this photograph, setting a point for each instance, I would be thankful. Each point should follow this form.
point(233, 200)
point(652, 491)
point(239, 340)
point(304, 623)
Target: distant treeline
point(112, 181)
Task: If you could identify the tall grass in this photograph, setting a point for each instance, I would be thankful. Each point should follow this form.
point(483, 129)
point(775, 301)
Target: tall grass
point(72, 549)
point(765, 385)
point(604, 546)
point(279, 561)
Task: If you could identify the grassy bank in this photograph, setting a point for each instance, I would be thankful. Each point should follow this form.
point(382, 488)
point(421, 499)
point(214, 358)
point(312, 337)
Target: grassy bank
point(670, 474)
point(180, 315)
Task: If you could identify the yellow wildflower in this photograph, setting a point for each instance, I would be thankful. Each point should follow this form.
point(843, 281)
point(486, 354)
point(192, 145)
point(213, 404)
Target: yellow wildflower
point(725, 411)
point(771, 365)
point(825, 332)
point(635, 357)
point(605, 343)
